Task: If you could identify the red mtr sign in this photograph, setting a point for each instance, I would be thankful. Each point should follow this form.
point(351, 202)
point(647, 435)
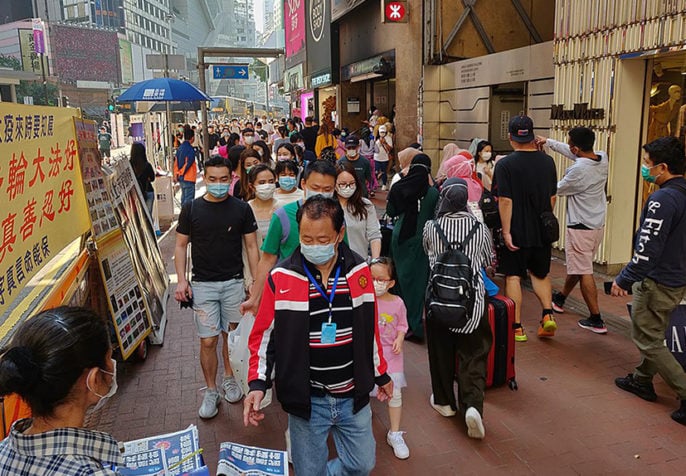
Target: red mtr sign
point(395, 12)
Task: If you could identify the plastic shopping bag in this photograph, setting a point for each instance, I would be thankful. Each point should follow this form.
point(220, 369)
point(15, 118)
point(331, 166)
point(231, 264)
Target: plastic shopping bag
point(239, 355)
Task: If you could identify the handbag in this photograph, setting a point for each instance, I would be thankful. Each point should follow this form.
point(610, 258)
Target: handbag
point(386, 225)
point(550, 227)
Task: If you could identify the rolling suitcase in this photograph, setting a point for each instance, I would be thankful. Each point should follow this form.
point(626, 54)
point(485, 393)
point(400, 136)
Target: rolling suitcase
point(501, 358)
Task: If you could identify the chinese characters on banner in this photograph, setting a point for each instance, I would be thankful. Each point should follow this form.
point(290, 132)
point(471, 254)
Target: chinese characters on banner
point(294, 24)
point(44, 203)
point(181, 451)
point(235, 459)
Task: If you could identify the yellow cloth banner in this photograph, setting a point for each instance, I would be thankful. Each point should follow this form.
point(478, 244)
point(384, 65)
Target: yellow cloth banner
point(43, 200)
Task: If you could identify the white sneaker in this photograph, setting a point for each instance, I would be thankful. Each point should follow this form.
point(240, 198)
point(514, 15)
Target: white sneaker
point(397, 442)
point(444, 410)
point(287, 434)
point(210, 402)
point(232, 391)
point(475, 427)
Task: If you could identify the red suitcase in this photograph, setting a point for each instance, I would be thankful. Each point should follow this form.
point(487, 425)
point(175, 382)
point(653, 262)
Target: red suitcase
point(501, 358)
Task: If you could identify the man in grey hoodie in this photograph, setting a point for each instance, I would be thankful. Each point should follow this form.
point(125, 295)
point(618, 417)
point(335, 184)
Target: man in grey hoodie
point(584, 186)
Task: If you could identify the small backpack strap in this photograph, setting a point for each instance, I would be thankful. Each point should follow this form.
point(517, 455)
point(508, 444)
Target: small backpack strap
point(441, 234)
point(469, 236)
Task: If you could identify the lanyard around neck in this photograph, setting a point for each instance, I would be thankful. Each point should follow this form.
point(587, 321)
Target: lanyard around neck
point(321, 291)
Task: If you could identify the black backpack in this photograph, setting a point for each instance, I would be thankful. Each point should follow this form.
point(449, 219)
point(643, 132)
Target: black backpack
point(450, 294)
point(489, 209)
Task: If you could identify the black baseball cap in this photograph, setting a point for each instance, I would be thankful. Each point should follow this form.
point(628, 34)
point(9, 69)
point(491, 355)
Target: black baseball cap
point(521, 129)
point(352, 141)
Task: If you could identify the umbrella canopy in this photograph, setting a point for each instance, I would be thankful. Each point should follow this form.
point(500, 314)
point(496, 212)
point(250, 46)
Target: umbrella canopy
point(163, 89)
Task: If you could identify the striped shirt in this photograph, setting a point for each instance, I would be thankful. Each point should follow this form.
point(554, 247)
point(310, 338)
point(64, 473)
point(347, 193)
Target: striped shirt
point(331, 365)
point(456, 226)
point(64, 451)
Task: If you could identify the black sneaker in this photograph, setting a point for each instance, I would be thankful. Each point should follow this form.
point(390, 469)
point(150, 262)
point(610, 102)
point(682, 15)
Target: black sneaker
point(593, 325)
point(643, 390)
point(558, 302)
point(679, 415)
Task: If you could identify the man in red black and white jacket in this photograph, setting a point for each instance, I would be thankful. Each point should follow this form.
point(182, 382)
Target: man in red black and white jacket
point(317, 328)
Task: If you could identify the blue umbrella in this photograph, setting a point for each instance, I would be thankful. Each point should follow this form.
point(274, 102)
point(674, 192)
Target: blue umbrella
point(163, 89)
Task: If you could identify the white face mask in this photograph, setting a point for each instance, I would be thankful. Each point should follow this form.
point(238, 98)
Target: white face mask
point(351, 153)
point(265, 191)
point(346, 191)
point(249, 140)
point(113, 386)
point(486, 156)
point(380, 288)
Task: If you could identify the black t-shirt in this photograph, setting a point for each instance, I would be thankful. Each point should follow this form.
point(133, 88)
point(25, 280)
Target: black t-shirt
point(530, 180)
point(310, 137)
point(213, 140)
point(216, 230)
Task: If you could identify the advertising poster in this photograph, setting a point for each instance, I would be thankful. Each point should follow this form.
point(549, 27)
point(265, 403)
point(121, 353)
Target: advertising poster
point(237, 460)
point(125, 297)
point(294, 24)
point(102, 216)
point(126, 58)
point(38, 36)
point(139, 235)
point(30, 60)
point(180, 451)
point(43, 200)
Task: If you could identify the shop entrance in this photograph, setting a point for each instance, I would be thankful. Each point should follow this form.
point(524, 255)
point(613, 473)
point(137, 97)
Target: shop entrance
point(383, 96)
point(507, 100)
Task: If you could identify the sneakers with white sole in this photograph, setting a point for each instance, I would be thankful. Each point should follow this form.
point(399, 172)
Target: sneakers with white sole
point(444, 410)
point(397, 442)
point(210, 402)
point(232, 391)
point(475, 427)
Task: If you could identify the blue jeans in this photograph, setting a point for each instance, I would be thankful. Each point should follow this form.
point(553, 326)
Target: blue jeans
point(352, 435)
point(381, 171)
point(187, 191)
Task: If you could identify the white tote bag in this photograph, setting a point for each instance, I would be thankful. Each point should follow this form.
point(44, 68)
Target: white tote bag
point(239, 355)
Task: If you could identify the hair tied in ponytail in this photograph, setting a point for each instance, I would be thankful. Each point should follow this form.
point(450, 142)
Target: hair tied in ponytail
point(22, 357)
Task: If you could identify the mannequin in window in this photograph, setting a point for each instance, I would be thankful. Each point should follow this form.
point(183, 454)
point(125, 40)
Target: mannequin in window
point(663, 117)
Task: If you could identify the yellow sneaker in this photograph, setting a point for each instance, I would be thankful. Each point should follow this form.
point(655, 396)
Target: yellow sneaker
point(520, 335)
point(548, 326)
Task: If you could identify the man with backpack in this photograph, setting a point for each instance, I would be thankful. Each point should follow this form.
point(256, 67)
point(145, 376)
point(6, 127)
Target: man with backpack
point(657, 273)
point(584, 186)
point(458, 247)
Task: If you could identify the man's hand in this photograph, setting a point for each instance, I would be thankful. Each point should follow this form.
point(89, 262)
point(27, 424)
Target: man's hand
point(183, 291)
point(398, 344)
point(251, 408)
point(616, 291)
point(249, 305)
point(540, 140)
point(385, 392)
point(507, 238)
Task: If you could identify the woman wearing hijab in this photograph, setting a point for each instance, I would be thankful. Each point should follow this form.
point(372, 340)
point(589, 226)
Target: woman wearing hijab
point(413, 200)
point(405, 157)
point(449, 150)
point(471, 343)
point(461, 166)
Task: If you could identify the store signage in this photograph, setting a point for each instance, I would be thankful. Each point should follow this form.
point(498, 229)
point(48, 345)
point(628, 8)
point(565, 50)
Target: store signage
point(580, 111)
point(317, 16)
point(319, 80)
point(38, 36)
point(395, 11)
point(294, 23)
point(383, 64)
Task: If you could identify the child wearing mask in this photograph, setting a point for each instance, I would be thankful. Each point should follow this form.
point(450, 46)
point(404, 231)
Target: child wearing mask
point(392, 329)
point(287, 173)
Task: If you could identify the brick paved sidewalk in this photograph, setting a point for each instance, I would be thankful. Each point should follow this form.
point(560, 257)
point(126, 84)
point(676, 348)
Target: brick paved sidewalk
point(566, 418)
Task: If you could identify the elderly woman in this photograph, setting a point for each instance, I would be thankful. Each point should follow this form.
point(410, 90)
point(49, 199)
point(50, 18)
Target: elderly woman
point(60, 362)
point(472, 342)
point(413, 200)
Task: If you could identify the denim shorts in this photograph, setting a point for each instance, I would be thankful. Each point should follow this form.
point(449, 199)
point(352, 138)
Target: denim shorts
point(216, 305)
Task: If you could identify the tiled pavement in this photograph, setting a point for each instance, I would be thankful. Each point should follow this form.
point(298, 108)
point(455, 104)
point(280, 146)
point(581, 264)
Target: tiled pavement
point(566, 418)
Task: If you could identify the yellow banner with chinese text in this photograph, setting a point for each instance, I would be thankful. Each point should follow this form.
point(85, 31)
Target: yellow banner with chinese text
point(44, 202)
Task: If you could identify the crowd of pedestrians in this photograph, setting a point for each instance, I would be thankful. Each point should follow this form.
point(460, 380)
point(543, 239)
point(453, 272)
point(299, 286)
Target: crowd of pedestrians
point(286, 231)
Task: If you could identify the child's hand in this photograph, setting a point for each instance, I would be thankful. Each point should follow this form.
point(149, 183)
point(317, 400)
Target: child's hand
point(398, 344)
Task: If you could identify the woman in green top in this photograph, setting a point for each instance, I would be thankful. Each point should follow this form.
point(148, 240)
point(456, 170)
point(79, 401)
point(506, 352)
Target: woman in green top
point(413, 199)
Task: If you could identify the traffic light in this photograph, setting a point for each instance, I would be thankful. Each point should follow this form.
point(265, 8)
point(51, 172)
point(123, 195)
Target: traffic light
point(110, 105)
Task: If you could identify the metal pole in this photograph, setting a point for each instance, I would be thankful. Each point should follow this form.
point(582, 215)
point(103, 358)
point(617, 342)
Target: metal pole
point(168, 111)
point(203, 104)
point(266, 87)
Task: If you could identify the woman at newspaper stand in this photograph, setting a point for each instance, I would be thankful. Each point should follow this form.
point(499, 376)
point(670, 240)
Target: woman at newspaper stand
point(60, 362)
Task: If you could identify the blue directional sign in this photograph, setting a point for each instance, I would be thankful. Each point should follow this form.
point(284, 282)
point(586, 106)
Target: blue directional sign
point(229, 72)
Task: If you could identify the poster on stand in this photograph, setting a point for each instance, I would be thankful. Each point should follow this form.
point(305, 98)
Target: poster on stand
point(42, 194)
point(237, 460)
point(139, 235)
point(129, 316)
point(103, 221)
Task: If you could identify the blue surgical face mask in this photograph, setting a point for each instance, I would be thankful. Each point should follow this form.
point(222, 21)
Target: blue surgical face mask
point(645, 173)
point(318, 254)
point(287, 183)
point(218, 190)
point(311, 193)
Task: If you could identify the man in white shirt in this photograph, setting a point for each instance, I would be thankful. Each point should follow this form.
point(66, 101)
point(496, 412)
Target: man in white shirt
point(584, 186)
